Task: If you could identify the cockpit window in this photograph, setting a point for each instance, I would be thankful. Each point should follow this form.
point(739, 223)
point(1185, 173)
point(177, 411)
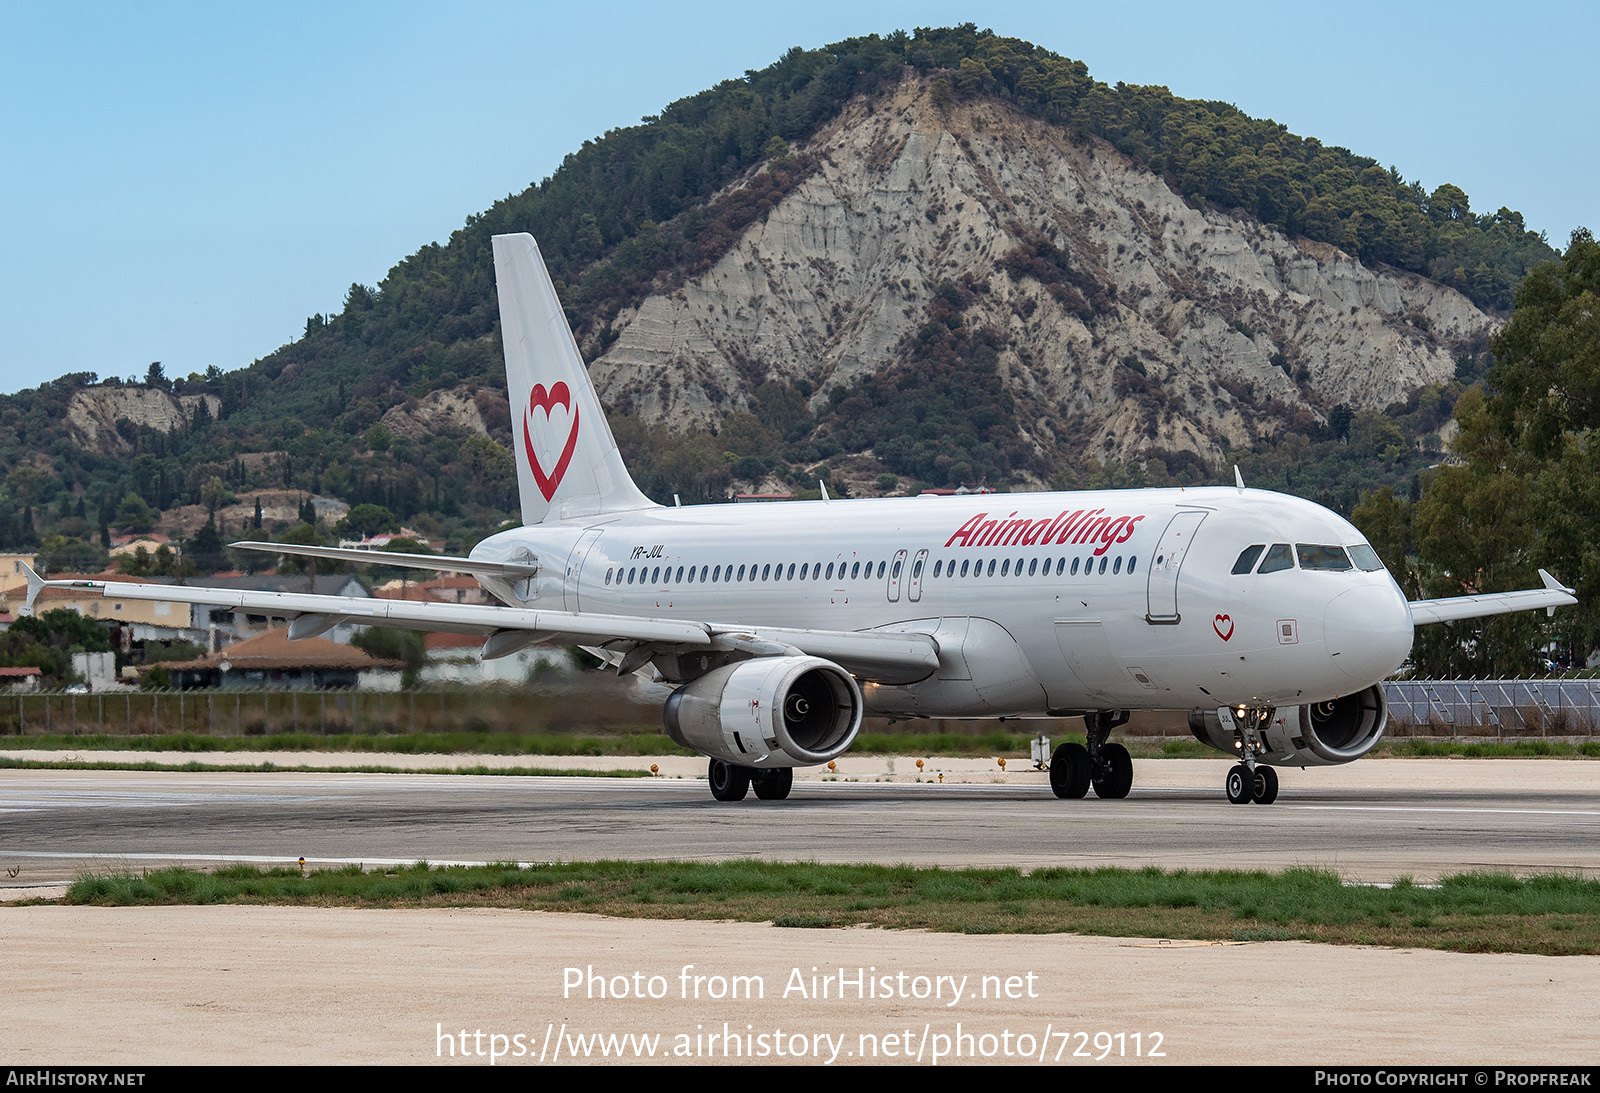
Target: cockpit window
point(1365, 558)
point(1247, 559)
point(1278, 557)
point(1322, 557)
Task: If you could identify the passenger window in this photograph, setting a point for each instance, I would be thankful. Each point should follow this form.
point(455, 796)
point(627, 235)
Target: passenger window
point(608, 577)
point(1005, 567)
point(703, 571)
point(938, 566)
point(916, 570)
point(1247, 558)
point(1103, 562)
point(1365, 558)
point(1074, 567)
point(1132, 558)
point(880, 570)
point(1279, 556)
point(655, 578)
point(855, 570)
point(1117, 566)
point(791, 571)
point(1322, 557)
point(740, 577)
point(1033, 566)
point(895, 573)
point(991, 567)
point(1061, 566)
point(680, 574)
point(963, 567)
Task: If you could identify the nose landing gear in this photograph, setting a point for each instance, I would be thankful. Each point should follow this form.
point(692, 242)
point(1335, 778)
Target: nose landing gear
point(1249, 781)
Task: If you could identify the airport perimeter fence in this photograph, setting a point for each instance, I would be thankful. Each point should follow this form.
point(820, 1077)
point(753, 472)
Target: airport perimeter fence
point(323, 712)
point(1496, 709)
point(1488, 709)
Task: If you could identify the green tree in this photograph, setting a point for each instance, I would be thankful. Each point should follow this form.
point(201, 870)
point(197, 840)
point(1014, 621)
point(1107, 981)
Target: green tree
point(366, 520)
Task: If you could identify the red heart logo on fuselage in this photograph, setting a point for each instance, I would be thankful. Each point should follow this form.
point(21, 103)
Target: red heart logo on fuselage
point(1223, 625)
point(540, 399)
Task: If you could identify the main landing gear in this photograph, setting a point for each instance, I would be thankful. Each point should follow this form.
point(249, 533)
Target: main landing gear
point(1106, 766)
point(1248, 781)
point(730, 782)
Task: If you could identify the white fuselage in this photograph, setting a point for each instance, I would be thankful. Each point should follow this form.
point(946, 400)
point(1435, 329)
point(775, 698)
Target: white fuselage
point(1040, 603)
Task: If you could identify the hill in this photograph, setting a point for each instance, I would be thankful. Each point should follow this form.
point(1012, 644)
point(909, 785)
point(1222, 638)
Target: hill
point(915, 259)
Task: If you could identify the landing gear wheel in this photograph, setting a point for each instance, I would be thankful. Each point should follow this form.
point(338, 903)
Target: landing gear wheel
point(728, 782)
point(1241, 784)
point(1115, 778)
point(1266, 787)
point(773, 785)
point(1069, 770)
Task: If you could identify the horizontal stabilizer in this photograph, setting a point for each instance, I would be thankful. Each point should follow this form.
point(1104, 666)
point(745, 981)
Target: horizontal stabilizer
point(511, 571)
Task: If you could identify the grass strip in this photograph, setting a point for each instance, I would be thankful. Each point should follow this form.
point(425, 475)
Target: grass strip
point(1475, 912)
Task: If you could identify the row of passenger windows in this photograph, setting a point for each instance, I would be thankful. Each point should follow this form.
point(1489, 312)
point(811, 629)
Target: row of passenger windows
point(1311, 555)
point(851, 571)
point(1061, 567)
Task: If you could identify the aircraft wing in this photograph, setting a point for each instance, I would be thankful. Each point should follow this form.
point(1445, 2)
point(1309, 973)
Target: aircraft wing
point(1553, 595)
point(890, 657)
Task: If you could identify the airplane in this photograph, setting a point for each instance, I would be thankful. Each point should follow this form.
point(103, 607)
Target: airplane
point(1268, 618)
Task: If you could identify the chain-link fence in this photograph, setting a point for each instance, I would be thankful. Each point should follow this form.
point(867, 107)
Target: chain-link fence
point(327, 712)
point(1494, 708)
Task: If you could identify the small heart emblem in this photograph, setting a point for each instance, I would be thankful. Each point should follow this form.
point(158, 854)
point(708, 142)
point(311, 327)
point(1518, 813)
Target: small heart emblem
point(1223, 625)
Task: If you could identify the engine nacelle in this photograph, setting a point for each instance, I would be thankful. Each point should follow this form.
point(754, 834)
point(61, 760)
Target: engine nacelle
point(768, 712)
point(1322, 734)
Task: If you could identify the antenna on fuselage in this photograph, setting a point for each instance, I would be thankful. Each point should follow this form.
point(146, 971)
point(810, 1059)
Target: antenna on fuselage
point(1238, 479)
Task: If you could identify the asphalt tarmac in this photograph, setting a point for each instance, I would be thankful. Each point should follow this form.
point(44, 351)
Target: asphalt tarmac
point(1371, 821)
point(126, 987)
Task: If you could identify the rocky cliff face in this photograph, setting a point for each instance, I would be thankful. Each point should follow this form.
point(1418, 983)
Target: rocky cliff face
point(93, 414)
point(1187, 330)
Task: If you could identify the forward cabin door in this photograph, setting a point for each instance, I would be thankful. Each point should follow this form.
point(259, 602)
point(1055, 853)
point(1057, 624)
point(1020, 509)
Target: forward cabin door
point(1162, 589)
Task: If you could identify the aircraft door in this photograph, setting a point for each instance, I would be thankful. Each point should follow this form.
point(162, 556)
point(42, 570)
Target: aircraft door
point(896, 572)
point(1162, 589)
point(918, 564)
point(575, 561)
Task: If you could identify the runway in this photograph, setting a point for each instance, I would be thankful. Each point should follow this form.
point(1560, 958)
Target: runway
point(1372, 821)
point(214, 984)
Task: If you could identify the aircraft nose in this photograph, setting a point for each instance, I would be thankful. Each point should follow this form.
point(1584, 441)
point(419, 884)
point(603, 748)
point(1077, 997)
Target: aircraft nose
point(1368, 632)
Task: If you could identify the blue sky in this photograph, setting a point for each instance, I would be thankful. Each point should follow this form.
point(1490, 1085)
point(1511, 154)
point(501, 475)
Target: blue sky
point(188, 182)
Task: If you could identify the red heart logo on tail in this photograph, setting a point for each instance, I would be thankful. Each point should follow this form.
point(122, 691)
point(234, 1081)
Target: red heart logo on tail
point(1223, 625)
point(540, 399)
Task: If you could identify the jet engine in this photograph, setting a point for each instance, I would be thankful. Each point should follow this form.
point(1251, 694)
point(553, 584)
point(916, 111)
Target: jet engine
point(785, 711)
point(1321, 734)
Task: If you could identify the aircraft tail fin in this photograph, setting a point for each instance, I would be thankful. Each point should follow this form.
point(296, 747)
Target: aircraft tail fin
point(568, 464)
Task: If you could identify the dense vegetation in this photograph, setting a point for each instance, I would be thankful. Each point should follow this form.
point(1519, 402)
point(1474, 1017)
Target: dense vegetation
point(1521, 491)
point(645, 206)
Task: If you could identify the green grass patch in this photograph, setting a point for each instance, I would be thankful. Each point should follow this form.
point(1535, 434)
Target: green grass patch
point(1475, 912)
